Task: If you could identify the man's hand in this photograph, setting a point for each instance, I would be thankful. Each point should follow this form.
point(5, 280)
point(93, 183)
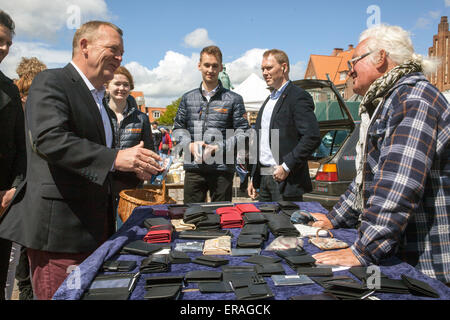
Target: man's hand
point(280, 174)
point(322, 221)
point(344, 257)
point(6, 197)
point(251, 191)
point(196, 150)
point(210, 150)
point(139, 160)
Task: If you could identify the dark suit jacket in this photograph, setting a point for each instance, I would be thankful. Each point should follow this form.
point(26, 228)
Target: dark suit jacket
point(64, 203)
point(299, 135)
point(12, 136)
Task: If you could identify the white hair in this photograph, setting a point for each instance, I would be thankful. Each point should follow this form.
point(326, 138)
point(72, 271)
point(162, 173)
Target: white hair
point(398, 45)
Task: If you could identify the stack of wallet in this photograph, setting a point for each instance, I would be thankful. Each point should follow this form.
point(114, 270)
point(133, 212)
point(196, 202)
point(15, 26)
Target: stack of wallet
point(118, 265)
point(164, 287)
point(248, 207)
point(281, 225)
point(254, 218)
point(159, 234)
point(230, 217)
point(203, 276)
point(210, 261)
point(212, 222)
point(217, 246)
point(155, 263)
point(194, 214)
point(142, 248)
point(246, 282)
point(180, 225)
point(288, 207)
point(269, 208)
point(386, 285)
point(178, 257)
point(176, 211)
point(258, 229)
point(250, 241)
point(296, 258)
point(343, 287)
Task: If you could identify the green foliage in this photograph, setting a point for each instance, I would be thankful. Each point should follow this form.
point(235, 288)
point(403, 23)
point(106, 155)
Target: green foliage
point(168, 116)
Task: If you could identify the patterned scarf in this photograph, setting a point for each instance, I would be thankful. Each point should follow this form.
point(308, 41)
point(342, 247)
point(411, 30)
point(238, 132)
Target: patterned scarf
point(371, 100)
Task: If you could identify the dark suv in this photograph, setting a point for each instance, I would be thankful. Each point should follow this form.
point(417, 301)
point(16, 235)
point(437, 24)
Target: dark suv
point(332, 165)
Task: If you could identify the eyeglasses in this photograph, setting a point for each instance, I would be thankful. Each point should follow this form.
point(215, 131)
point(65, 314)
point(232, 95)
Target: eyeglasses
point(351, 63)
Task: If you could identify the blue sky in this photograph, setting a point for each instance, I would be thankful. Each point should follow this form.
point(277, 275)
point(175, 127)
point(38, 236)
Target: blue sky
point(163, 59)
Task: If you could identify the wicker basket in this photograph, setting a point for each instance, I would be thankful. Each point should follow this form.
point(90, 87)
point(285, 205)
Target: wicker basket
point(133, 198)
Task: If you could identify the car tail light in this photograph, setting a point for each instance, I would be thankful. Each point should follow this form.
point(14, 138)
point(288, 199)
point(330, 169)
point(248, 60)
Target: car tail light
point(327, 172)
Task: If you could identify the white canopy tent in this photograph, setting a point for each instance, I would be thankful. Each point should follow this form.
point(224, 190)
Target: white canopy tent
point(254, 92)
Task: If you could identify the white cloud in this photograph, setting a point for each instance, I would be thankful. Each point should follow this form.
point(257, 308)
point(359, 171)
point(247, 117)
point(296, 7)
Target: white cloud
point(447, 3)
point(177, 74)
point(435, 14)
point(52, 58)
point(34, 21)
point(198, 39)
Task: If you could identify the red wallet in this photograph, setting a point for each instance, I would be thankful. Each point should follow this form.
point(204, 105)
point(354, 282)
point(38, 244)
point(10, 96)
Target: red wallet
point(231, 220)
point(159, 234)
point(227, 210)
point(247, 207)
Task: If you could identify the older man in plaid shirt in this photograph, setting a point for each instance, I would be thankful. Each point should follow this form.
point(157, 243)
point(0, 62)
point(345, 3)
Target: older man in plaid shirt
point(401, 194)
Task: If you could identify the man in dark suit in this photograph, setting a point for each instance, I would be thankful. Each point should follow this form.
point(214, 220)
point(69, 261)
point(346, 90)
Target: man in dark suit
point(12, 142)
point(63, 210)
point(287, 127)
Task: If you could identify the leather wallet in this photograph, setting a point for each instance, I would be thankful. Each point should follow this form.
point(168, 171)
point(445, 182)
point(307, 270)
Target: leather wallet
point(176, 211)
point(178, 257)
point(210, 261)
point(110, 287)
point(202, 235)
point(253, 292)
point(269, 269)
point(119, 265)
point(203, 276)
point(166, 292)
point(362, 274)
point(320, 296)
point(259, 259)
point(231, 220)
point(419, 288)
point(287, 205)
point(245, 251)
point(212, 221)
point(227, 210)
point(250, 241)
point(159, 234)
point(392, 286)
point(164, 280)
point(247, 207)
point(180, 225)
point(280, 225)
point(217, 246)
point(238, 269)
point(155, 263)
point(142, 248)
point(152, 222)
point(254, 217)
point(348, 290)
point(290, 252)
point(269, 208)
point(194, 214)
point(326, 282)
point(303, 260)
point(215, 287)
point(315, 272)
point(259, 229)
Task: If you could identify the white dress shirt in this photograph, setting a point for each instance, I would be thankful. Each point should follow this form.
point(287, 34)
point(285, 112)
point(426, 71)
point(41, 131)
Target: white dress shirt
point(98, 98)
point(209, 94)
point(265, 153)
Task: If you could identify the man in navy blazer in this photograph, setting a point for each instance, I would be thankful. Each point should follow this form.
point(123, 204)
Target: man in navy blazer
point(288, 133)
point(63, 210)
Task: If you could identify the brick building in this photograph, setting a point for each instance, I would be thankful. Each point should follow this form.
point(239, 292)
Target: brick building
point(152, 112)
point(441, 50)
point(335, 65)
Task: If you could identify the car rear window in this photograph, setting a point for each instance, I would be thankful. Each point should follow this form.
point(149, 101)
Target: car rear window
point(331, 143)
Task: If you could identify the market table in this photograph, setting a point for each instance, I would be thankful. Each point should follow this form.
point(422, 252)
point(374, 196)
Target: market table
point(133, 229)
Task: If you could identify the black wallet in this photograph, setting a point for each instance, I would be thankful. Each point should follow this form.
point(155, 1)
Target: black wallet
point(347, 290)
point(253, 292)
point(362, 274)
point(280, 225)
point(203, 276)
point(215, 287)
point(291, 252)
point(142, 248)
point(258, 229)
point(164, 280)
point(269, 269)
point(320, 296)
point(315, 272)
point(300, 261)
point(118, 265)
point(178, 257)
point(210, 261)
point(195, 214)
point(287, 205)
point(419, 288)
point(155, 263)
point(254, 217)
point(153, 222)
point(165, 292)
point(110, 287)
point(212, 221)
point(249, 241)
point(269, 208)
point(203, 235)
point(259, 259)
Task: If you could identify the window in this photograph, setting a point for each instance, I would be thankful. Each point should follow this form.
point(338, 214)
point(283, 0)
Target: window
point(343, 75)
point(331, 143)
point(156, 114)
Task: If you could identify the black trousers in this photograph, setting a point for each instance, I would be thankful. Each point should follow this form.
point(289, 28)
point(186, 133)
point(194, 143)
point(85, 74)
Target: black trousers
point(197, 184)
point(5, 253)
point(23, 270)
point(269, 191)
